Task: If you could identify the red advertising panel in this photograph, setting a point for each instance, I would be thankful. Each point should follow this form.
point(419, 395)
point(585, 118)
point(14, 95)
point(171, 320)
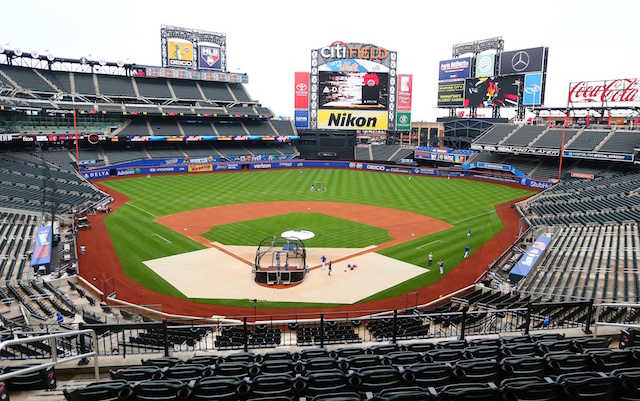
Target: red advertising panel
point(404, 92)
point(302, 90)
point(605, 92)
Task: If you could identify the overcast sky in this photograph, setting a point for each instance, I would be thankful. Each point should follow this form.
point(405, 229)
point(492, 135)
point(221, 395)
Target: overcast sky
point(270, 40)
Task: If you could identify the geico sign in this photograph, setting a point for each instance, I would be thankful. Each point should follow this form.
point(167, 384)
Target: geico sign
point(301, 118)
point(362, 52)
point(352, 119)
point(374, 167)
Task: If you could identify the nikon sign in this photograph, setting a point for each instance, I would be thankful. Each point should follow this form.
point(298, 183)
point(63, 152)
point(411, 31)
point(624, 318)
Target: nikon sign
point(352, 119)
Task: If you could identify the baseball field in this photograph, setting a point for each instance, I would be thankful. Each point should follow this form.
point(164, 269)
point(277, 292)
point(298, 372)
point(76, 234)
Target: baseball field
point(359, 209)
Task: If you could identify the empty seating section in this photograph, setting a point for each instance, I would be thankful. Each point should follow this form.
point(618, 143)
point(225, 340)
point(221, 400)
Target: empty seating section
point(239, 92)
point(263, 111)
point(200, 151)
point(115, 85)
point(178, 110)
point(135, 128)
point(142, 108)
point(22, 185)
point(259, 128)
point(185, 89)
point(585, 262)
point(242, 111)
point(115, 156)
point(494, 135)
point(17, 232)
point(230, 128)
point(166, 152)
point(622, 141)
point(216, 91)
point(524, 135)
point(488, 157)
point(282, 127)
point(384, 153)
point(363, 153)
point(59, 79)
point(84, 84)
point(153, 88)
point(59, 157)
point(27, 78)
point(519, 368)
point(553, 138)
point(582, 202)
point(587, 140)
point(201, 128)
point(88, 154)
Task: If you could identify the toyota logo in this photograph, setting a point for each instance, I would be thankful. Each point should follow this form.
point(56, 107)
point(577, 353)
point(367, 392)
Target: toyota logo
point(301, 87)
point(520, 61)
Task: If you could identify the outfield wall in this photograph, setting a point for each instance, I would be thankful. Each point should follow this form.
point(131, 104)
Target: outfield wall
point(179, 166)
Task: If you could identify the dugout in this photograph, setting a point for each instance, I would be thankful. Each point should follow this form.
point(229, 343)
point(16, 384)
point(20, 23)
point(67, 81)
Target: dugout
point(280, 260)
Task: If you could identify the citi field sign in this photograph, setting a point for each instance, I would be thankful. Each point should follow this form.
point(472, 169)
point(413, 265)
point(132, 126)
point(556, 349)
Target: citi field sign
point(341, 50)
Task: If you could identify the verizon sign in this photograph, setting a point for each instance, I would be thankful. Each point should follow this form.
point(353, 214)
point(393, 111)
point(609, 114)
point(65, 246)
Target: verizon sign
point(605, 92)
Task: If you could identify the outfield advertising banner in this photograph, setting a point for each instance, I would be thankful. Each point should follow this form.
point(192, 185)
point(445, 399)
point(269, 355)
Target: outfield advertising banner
point(180, 53)
point(404, 92)
point(521, 61)
point(529, 259)
point(352, 119)
point(620, 157)
point(485, 65)
point(302, 119)
point(200, 168)
point(42, 249)
point(623, 92)
point(532, 92)
point(451, 94)
point(404, 121)
point(301, 98)
point(440, 156)
point(457, 68)
point(493, 91)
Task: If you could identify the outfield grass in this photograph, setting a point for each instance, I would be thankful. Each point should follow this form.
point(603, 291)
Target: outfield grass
point(463, 203)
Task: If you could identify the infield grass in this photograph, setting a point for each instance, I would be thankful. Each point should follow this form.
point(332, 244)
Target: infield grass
point(465, 204)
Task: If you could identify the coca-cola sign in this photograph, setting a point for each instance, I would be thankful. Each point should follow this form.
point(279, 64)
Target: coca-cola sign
point(605, 92)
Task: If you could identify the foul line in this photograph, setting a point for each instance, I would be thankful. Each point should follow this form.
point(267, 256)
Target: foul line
point(473, 217)
point(158, 235)
point(432, 242)
point(142, 210)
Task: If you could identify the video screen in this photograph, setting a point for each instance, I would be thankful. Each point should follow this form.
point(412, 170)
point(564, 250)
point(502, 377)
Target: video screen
point(493, 91)
point(353, 90)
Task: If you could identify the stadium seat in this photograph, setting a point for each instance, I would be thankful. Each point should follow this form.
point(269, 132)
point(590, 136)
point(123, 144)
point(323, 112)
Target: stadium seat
point(443, 355)
point(477, 371)
point(234, 369)
point(219, 389)
point(44, 379)
point(589, 386)
point(418, 347)
point(373, 380)
point(607, 360)
point(405, 394)
point(106, 391)
point(559, 364)
point(342, 396)
point(629, 379)
point(323, 382)
point(161, 362)
point(270, 386)
point(466, 391)
point(483, 351)
point(452, 344)
point(187, 372)
point(137, 373)
point(356, 362)
point(319, 364)
point(519, 349)
point(161, 390)
point(404, 358)
point(524, 366)
point(429, 375)
point(531, 389)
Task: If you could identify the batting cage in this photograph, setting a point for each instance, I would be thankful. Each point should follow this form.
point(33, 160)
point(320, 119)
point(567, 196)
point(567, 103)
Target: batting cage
point(280, 260)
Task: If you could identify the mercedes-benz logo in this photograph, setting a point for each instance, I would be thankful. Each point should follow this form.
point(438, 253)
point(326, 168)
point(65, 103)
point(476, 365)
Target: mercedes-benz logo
point(520, 61)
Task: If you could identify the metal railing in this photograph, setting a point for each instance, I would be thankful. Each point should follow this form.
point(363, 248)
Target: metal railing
point(456, 320)
point(53, 339)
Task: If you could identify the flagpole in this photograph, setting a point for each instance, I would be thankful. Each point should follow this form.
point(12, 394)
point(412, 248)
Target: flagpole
point(564, 128)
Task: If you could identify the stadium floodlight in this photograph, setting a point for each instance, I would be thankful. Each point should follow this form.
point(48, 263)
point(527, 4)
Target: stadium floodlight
point(478, 46)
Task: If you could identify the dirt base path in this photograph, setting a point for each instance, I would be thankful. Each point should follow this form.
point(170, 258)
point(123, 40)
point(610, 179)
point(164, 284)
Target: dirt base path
point(101, 263)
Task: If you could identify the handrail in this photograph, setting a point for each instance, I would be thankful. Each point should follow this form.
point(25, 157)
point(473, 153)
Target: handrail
point(598, 311)
point(54, 352)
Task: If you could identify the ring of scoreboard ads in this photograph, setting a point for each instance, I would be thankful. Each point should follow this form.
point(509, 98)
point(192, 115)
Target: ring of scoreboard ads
point(491, 79)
